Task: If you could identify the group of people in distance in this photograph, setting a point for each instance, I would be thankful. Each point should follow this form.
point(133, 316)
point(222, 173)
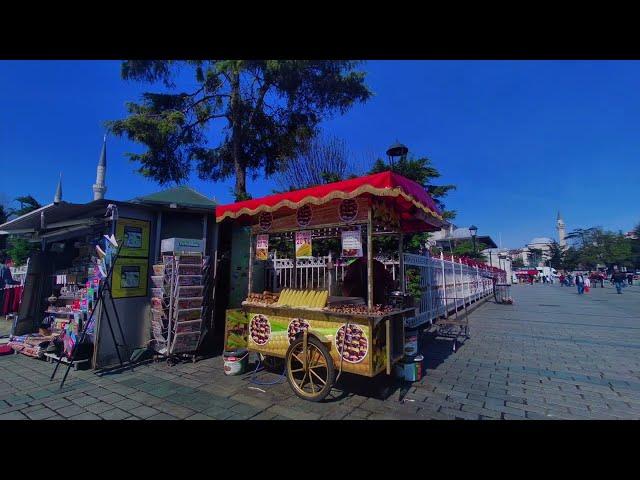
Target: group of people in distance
point(583, 281)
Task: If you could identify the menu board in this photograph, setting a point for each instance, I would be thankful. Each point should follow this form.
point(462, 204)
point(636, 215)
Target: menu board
point(262, 247)
point(352, 242)
point(303, 244)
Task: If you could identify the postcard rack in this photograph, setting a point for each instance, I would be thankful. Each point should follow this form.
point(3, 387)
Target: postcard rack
point(177, 305)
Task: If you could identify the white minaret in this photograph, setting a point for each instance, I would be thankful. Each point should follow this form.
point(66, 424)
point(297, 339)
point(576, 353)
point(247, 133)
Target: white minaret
point(561, 232)
point(99, 188)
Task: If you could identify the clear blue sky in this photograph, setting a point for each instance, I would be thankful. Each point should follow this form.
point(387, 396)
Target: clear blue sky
point(521, 140)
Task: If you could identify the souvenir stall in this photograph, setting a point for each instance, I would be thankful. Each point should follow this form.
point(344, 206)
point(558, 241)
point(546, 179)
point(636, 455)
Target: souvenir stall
point(321, 335)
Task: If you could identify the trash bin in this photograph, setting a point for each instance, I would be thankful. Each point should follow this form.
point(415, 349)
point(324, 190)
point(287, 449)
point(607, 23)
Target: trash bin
point(502, 293)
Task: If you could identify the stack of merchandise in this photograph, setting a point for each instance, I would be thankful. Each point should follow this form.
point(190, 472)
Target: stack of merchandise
point(177, 303)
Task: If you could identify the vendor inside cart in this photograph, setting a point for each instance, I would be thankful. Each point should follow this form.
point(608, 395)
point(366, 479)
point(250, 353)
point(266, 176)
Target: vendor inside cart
point(355, 281)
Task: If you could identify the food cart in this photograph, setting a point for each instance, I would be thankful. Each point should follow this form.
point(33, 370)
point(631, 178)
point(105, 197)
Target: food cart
point(316, 332)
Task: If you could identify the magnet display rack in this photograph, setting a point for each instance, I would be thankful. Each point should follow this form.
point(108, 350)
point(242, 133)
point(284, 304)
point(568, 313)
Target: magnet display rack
point(177, 305)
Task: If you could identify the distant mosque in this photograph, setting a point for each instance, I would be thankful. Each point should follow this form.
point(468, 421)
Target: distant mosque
point(529, 254)
point(99, 188)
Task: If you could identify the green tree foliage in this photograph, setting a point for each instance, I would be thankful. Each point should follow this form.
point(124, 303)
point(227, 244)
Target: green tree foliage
point(19, 249)
point(595, 246)
point(465, 249)
point(3, 218)
point(555, 256)
point(265, 111)
point(535, 256)
point(517, 262)
point(421, 171)
point(27, 204)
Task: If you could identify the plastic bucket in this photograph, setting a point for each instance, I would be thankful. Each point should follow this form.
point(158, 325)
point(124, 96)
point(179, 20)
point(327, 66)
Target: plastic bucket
point(410, 369)
point(235, 362)
point(411, 345)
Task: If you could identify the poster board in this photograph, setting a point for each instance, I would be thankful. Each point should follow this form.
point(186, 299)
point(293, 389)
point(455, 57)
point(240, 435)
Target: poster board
point(130, 277)
point(262, 247)
point(352, 242)
point(134, 235)
point(303, 244)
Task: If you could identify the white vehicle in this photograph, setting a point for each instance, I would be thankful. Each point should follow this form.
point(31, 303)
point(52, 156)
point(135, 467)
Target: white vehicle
point(547, 272)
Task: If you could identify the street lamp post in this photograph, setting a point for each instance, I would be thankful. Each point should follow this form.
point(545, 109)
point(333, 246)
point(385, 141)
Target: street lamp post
point(474, 230)
point(396, 150)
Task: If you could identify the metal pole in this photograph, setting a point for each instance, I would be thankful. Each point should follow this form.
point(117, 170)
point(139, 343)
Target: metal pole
point(370, 258)
point(444, 285)
point(250, 273)
point(401, 263)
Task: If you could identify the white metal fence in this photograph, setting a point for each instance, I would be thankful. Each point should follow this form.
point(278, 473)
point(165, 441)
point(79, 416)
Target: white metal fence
point(439, 286)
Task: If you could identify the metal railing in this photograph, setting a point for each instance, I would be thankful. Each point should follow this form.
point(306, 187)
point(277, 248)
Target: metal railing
point(439, 286)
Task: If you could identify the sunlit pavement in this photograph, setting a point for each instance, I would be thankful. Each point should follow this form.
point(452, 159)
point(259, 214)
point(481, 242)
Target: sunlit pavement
point(551, 355)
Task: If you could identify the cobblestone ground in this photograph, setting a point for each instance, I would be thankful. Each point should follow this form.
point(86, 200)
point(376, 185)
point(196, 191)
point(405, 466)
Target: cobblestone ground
point(552, 355)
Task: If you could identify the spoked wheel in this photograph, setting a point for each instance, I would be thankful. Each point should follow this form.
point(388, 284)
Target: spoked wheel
point(311, 380)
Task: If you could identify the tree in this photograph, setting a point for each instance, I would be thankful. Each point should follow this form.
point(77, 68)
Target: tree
point(27, 204)
point(555, 256)
point(323, 160)
point(517, 262)
point(3, 218)
point(421, 171)
point(535, 256)
point(265, 111)
point(19, 249)
point(465, 249)
point(580, 233)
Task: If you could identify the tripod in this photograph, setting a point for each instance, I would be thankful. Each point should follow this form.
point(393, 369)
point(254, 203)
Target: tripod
point(103, 289)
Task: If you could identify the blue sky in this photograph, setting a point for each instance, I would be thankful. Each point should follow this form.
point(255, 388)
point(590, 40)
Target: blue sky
point(520, 139)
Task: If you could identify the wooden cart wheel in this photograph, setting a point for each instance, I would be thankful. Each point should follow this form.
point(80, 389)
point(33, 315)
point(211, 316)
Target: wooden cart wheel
point(314, 381)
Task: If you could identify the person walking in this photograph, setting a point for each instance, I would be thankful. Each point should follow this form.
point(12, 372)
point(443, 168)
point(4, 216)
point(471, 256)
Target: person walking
point(579, 279)
point(630, 278)
point(562, 280)
point(587, 284)
point(618, 280)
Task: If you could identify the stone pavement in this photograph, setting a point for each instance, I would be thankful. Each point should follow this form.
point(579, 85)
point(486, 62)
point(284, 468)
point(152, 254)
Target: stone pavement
point(552, 355)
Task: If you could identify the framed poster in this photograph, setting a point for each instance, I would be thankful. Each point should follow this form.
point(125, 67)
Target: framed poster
point(130, 277)
point(262, 247)
point(352, 242)
point(134, 235)
point(303, 244)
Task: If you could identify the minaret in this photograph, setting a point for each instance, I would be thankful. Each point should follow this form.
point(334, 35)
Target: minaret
point(99, 188)
point(58, 196)
point(561, 232)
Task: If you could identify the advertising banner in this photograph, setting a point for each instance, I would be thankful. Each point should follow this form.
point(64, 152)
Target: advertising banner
point(303, 244)
point(262, 247)
point(135, 237)
point(130, 277)
point(352, 243)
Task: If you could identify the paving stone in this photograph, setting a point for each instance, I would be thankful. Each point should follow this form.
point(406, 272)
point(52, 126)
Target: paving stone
point(162, 416)
point(15, 415)
point(143, 411)
point(86, 416)
point(127, 404)
point(70, 411)
point(40, 413)
point(114, 414)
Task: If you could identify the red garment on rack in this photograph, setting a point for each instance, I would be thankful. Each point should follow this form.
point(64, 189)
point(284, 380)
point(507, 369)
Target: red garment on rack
point(17, 298)
point(7, 300)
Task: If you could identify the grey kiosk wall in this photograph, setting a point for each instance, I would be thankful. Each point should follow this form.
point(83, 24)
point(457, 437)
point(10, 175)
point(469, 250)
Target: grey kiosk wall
point(135, 313)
